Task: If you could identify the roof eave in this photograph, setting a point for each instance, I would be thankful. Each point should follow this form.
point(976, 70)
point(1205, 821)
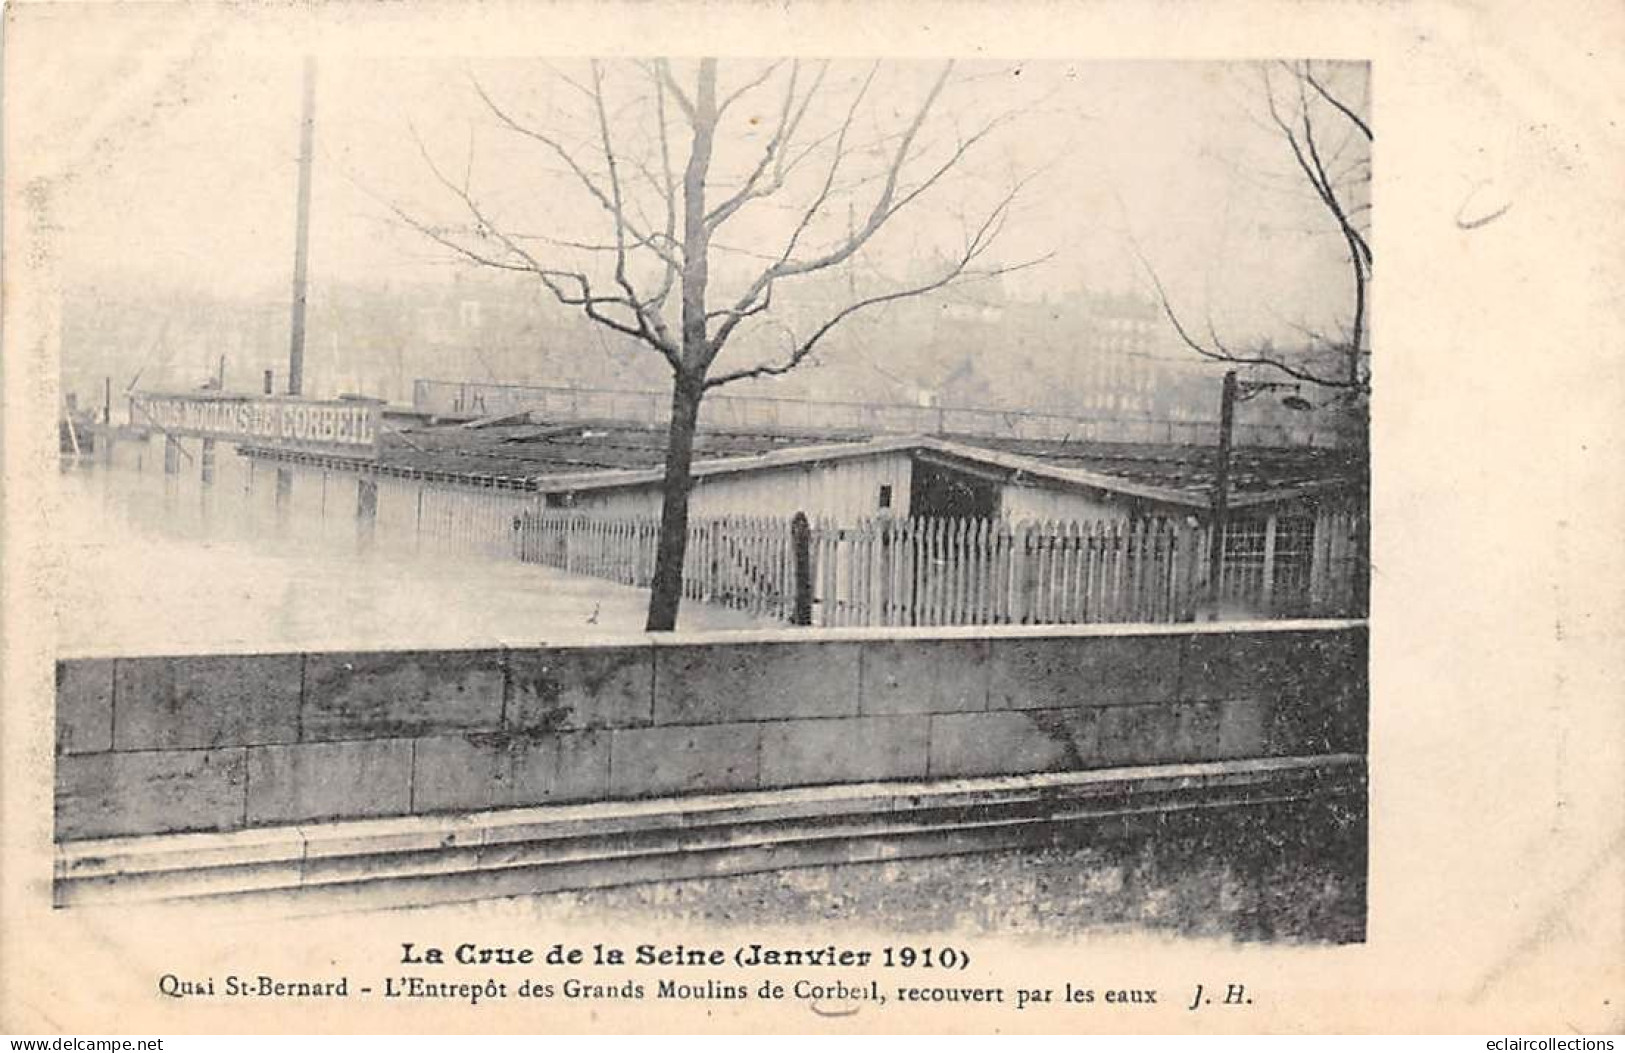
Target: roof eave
point(1036, 469)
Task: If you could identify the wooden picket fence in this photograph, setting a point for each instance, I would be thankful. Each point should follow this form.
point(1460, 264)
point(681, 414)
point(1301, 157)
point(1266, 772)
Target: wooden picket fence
point(901, 572)
point(1294, 566)
point(930, 572)
point(743, 562)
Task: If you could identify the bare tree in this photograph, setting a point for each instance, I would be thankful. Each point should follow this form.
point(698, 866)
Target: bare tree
point(1326, 128)
point(816, 163)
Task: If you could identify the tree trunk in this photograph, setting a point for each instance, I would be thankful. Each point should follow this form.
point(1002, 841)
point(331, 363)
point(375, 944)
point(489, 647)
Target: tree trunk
point(667, 590)
point(688, 381)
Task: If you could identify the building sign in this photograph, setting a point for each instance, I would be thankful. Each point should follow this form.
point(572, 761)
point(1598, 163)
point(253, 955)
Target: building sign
point(290, 423)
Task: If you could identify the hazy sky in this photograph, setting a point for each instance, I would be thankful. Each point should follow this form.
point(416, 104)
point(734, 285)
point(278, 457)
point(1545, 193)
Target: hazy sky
point(181, 153)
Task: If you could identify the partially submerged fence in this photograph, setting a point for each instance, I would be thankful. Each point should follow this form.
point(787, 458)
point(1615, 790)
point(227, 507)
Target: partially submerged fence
point(741, 562)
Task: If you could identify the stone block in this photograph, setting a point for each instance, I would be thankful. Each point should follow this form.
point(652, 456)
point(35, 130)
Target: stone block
point(1013, 742)
point(508, 770)
point(397, 694)
point(848, 749)
point(924, 676)
point(1196, 731)
point(1133, 735)
point(458, 772)
point(1242, 728)
point(1054, 672)
point(581, 688)
point(84, 705)
point(580, 771)
point(719, 683)
point(160, 791)
point(1332, 720)
point(329, 780)
point(226, 700)
point(1273, 664)
point(648, 762)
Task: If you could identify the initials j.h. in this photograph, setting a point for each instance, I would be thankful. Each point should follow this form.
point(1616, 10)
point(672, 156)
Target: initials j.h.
point(1234, 994)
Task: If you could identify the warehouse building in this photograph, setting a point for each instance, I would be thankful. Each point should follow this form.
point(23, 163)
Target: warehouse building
point(615, 469)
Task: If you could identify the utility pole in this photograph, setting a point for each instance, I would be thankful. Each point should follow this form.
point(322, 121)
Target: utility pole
point(1221, 487)
point(301, 245)
point(1232, 394)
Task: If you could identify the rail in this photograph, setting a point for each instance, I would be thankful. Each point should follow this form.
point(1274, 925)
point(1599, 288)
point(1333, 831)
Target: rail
point(455, 398)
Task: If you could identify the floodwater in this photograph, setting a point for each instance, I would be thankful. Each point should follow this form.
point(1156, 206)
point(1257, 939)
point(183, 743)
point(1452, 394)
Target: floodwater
point(155, 564)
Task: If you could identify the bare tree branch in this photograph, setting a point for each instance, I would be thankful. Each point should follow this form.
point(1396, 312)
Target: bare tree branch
point(752, 85)
point(516, 258)
point(887, 204)
point(790, 117)
point(1359, 250)
point(650, 325)
point(558, 149)
point(959, 270)
point(1365, 129)
point(1302, 136)
point(664, 69)
point(1220, 353)
point(668, 194)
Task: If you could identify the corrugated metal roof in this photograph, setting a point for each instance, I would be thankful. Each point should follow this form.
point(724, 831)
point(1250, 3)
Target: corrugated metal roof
point(1193, 469)
point(545, 450)
point(583, 456)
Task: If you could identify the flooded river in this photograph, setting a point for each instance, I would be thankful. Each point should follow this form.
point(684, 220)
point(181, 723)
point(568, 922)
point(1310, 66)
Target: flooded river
point(150, 563)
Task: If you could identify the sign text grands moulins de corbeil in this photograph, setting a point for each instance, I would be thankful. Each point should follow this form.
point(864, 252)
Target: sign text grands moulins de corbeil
point(342, 427)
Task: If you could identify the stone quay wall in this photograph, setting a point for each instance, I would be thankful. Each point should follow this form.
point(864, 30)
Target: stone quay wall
point(168, 744)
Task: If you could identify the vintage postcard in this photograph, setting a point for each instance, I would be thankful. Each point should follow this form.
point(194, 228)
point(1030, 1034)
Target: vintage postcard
point(812, 517)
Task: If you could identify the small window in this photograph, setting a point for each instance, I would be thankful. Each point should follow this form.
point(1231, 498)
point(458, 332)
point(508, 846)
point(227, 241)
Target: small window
point(885, 496)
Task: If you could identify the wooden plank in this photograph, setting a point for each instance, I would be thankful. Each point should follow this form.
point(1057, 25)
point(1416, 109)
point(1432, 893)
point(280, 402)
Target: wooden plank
point(1091, 573)
point(1144, 570)
point(1267, 585)
point(957, 569)
point(1114, 605)
point(976, 571)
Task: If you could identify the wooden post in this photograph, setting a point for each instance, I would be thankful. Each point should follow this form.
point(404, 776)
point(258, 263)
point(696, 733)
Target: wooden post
point(366, 510)
point(1135, 550)
point(1317, 563)
point(284, 495)
point(1186, 545)
point(1221, 489)
point(1117, 554)
point(417, 521)
point(826, 587)
point(301, 250)
point(1021, 553)
point(1267, 592)
point(1360, 569)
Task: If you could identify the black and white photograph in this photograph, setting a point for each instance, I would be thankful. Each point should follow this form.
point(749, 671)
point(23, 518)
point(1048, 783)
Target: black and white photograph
point(918, 501)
